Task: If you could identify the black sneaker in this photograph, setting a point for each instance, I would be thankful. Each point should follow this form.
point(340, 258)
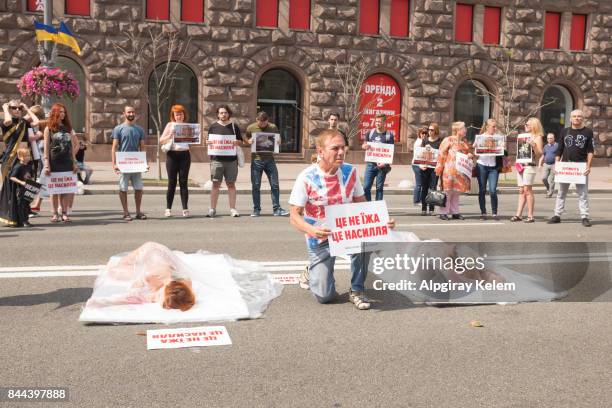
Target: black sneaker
point(483, 217)
point(555, 219)
point(586, 222)
point(28, 225)
point(458, 217)
point(444, 217)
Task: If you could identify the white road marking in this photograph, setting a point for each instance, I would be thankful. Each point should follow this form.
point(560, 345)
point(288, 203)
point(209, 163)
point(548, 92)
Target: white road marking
point(452, 224)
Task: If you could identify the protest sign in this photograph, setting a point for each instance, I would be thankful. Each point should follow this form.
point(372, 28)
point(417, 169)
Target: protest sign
point(64, 182)
point(380, 153)
point(186, 133)
point(32, 188)
point(464, 164)
point(523, 148)
point(425, 156)
point(131, 162)
point(567, 172)
point(287, 278)
point(266, 142)
point(221, 145)
point(352, 224)
point(489, 145)
point(189, 337)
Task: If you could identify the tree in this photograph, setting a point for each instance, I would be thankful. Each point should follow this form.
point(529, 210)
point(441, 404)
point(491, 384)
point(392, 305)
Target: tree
point(163, 50)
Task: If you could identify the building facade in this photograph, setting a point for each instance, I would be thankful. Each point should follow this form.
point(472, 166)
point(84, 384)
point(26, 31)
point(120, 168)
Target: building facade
point(428, 60)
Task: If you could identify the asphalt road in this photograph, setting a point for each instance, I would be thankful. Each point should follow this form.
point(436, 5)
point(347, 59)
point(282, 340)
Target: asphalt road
point(301, 353)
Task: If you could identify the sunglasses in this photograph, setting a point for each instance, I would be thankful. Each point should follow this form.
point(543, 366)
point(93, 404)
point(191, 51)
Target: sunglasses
point(431, 130)
point(16, 107)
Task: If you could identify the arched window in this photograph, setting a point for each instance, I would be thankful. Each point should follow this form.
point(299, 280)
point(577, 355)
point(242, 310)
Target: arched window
point(279, 94)
point(472, 106)
point(557, 105)
point(182, 89)
point(76, 108)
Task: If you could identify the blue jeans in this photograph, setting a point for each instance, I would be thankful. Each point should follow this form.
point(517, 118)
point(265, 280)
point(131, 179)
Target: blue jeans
point(418, 183)
point(321, 270)
point(372, 171)
point(490, 174)
point(269, 167)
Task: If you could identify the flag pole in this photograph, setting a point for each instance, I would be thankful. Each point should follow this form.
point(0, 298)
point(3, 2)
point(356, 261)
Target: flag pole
point(47, 50)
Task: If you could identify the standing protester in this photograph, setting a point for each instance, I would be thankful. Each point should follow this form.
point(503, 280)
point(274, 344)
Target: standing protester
point(21, 172)
point(547, 161)
point(576, 145)
point(329, 182)
point(429, 180)
point(526, 177)
point(224, 166)
point(487, 171)
point(263, 162)
point(333, 120)
point(61, 145)
point(422, 134)
point(129, 137)
point(37, 147)
point(377, 171)
point(453, 182)
point(178, 161)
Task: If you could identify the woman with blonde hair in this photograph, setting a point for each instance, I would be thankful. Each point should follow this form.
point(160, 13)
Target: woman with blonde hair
point(526, 172)
point(178, 161)
point(453, 182)
point(429, 181)
point(487, 171)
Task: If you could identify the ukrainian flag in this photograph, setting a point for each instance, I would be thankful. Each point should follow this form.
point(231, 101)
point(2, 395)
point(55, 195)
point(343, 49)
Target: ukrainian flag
point(45, 32)
point(67, 38)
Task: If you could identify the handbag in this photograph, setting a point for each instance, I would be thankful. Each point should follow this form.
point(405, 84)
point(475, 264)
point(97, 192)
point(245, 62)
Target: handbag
point(437, 198)
point(240, 156)
point(166, 147)
point(519, 167)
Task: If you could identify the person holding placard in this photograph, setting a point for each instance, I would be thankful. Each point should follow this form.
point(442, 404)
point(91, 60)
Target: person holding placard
point(263, 162)
point(429, 180)
point(576, 145)
point(224, 166)
point(61, 145)
point(454, 169)
point(178, 161)
point(377, 171)
point(328, 182)
point(487, 171)
point(129, 137)
point(21, 171)
point(418, 170)
point(528, 150)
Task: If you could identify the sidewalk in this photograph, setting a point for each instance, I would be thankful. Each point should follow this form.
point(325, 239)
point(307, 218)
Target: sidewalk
point(399, 181)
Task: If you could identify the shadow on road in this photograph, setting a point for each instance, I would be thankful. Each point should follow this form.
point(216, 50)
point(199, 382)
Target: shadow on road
point(63, 297)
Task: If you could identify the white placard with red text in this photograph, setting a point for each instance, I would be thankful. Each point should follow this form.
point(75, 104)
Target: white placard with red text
point(352, 224)
point(567, 172)
point(286, 278)
point(464, 164)
point(380, 153)
point(188, 337)
point(222, 145)
point(64, 182)
point(131, 162)
point(425, 156)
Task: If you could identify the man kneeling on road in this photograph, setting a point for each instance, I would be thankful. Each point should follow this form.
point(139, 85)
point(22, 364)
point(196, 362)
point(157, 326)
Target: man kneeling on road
point(328, 182)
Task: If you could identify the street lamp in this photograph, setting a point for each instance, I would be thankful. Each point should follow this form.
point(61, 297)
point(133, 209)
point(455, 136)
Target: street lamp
point(47, 50)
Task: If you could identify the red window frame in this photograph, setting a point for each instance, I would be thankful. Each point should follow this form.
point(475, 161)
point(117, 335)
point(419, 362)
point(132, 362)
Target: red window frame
point(552, 30)
point(77, 7)
point(578, 34)
point(299, 14)
point(158, 10)
point(492, 25)
point(464, 22)
point(266, 13)
point(400, 18)
point(369, 16)
point(192, 11)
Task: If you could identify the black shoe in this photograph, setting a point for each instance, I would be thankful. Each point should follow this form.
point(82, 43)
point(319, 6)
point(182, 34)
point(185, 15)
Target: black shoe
point(586, 222)
point(555, 219)
point(458, 217)
point(483, 217)
point(444, 217)
point(423, 212)
point(27, 225)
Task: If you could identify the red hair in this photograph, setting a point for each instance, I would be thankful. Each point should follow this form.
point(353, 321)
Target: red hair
point(178, 295)
point(54, 121)
point(176, 109)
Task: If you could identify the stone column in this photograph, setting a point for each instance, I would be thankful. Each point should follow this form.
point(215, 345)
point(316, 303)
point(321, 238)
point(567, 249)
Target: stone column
point(283, 15)
point(384, 17)
point(565, 30)
point(175, 12)
point(478, 24)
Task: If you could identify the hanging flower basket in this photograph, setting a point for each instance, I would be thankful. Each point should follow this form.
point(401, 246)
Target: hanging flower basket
point(45, 81)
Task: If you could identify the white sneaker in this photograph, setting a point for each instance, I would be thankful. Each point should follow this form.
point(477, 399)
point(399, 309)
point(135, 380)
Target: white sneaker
point(168, 213)
point(234, 212)
point(211, 213)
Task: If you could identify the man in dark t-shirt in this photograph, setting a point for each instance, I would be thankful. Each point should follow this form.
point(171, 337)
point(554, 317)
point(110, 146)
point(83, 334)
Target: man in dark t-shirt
point(377, 171)
point(576, 145)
